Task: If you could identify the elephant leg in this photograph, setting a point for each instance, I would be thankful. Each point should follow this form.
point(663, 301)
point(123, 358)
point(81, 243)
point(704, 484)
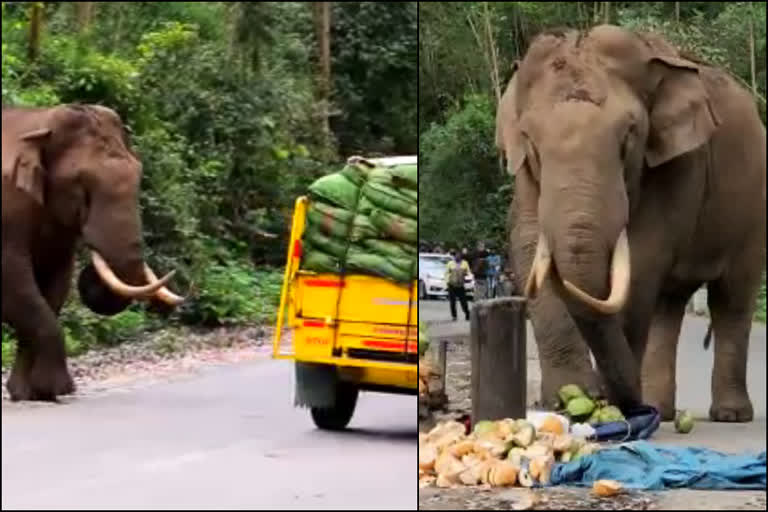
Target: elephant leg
point(56, 289)
point(563, 355)
point(731, 303)
point(40, 373)
point(660, 359)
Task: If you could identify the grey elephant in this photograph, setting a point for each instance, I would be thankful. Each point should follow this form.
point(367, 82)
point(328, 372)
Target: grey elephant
point(640, 176)
point(68, 174)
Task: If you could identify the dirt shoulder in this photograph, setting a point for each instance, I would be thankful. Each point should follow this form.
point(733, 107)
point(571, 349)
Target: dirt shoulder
point(162, 355)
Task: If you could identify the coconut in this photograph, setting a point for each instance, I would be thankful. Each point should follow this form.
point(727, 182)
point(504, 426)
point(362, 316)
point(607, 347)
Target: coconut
point(606, 487)
point(569, 392)
point(525, 434)
point(427, 457)
point(562, 443)
point(483, 427)
point(502, 474)
point(580, 407)
point(684, 422)
point(552, 425)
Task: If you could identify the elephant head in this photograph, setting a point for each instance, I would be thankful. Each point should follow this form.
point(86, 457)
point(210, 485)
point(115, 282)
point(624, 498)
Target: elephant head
point(74, 164)
point(582, 120)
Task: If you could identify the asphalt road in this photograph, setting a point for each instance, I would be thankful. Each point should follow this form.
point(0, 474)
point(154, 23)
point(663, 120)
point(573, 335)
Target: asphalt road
point(228, 438)
point(694, 367)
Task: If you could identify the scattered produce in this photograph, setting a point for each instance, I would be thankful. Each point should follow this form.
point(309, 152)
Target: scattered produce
point(579, 406)
point(499, 453)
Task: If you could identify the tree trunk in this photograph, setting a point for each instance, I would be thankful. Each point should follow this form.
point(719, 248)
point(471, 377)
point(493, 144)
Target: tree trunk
point(35, 30)
point(322, 21)
point(494, 58)
point(84, 15)
point(677, 12)
point(752, 49)
point(498, 355)
point(606, 12)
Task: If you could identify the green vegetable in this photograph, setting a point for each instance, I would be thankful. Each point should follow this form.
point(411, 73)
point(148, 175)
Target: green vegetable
point(569, 392)
point(580, 406)
point(610, 413)
point(684, 422)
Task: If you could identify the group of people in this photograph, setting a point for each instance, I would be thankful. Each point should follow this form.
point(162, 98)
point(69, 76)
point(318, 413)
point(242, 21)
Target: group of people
point(482, 264)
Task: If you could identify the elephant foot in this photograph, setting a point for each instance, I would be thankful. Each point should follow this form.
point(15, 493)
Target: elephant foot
point(554, 379)
point(734, 409)
point(41, 384)
point(662, 401)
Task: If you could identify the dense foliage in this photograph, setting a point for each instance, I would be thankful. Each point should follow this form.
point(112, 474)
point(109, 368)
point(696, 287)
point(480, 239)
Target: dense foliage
point(465, 56)
point(221, 100)
point(466, 50)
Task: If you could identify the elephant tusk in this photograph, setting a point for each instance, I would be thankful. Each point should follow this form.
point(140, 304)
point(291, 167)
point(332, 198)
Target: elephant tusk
point(542, 261)
point(163, 294)
point(126, 290)
point(620, 279)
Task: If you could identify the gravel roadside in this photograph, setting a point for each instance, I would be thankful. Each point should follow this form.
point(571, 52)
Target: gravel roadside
point(162, 355)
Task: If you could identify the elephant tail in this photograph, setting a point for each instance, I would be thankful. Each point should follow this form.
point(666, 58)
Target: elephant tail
point(708, 336)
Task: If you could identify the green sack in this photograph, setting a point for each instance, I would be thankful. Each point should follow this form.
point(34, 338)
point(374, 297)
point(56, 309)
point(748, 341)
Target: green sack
point(332, 245)
point(363, 228)
point(397, 227)
point(357, 174)
point(388, 198)
point(329, 219)
point(367, 263)
point(411, 194)
point(380, 175)
point(365, 206)
point(318, 261)
point(390, 249)
point(406, 176)
point(336, 189)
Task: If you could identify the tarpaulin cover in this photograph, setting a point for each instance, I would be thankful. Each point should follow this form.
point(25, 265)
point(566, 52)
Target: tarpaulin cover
point(641, 422)
point(644, 465)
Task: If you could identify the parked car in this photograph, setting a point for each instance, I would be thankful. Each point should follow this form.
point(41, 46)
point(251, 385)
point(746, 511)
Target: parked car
point(432, 276)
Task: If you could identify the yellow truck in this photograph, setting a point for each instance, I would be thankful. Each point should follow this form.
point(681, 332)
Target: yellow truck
point(346, 333)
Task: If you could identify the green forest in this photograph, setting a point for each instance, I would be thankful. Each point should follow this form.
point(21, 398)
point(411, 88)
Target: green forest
point(234, 108)
point(466, 50)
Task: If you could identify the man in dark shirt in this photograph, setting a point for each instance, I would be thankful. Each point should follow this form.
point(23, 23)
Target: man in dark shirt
point(480, 271)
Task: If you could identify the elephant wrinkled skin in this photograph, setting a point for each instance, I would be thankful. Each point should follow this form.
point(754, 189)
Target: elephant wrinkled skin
point(640, 176)
point(68, 174)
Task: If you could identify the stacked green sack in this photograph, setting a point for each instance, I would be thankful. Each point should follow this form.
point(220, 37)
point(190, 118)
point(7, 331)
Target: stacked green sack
point(363, 220)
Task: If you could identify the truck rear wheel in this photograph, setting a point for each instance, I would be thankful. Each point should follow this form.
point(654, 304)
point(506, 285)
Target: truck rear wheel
point(338, 416)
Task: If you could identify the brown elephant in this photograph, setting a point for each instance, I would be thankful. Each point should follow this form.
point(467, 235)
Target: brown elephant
point(640, 176)
point(68, 173)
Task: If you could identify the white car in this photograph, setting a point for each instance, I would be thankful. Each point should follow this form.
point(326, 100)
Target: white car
point(432, 276)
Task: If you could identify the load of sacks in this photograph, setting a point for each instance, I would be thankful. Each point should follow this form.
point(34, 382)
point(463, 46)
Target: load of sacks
point(363, 220)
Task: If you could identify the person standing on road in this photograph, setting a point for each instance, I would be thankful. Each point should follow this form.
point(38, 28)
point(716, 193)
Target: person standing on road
point(494, 272)
point(455, 276)
point(480, 271)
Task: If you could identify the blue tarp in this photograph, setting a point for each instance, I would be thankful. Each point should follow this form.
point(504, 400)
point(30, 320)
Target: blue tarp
point(641, 422)
point(643, 465)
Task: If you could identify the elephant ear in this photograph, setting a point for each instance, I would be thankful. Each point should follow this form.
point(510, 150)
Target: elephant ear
point(681, 115)
point(509, 140)
point(22, 162)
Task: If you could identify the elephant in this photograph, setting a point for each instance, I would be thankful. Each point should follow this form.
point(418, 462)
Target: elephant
point(639, 177)
point(69, 174)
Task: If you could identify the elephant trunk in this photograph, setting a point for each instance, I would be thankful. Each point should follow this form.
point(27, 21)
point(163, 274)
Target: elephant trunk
point(114, 238)
point(587, 282)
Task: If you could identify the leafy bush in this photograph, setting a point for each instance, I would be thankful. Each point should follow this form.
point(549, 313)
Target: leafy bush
point(462, 152)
